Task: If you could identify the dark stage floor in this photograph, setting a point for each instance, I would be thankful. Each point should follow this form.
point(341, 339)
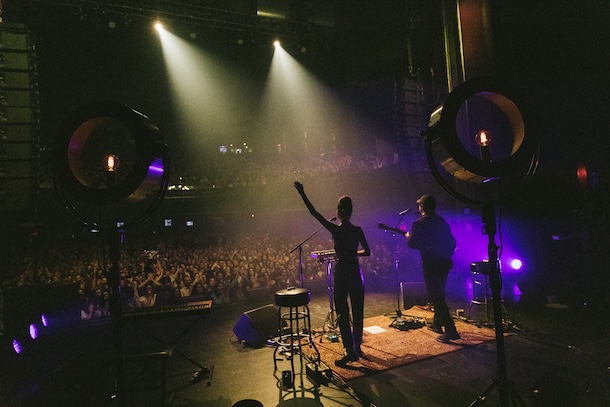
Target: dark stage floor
point(562, 351)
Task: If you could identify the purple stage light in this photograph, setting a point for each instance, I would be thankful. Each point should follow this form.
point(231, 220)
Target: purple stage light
point(33, 331)
point(17, 346)
point(44, 320)
point(516, 264)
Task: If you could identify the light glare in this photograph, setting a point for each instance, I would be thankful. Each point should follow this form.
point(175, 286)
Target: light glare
point(516, 264)
point(483, 138)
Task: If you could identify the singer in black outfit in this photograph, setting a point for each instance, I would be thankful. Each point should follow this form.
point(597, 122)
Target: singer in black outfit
point(349, 242)
point(431, 235)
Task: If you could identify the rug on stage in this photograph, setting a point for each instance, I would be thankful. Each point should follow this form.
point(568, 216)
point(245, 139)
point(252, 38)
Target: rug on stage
point(386, 347)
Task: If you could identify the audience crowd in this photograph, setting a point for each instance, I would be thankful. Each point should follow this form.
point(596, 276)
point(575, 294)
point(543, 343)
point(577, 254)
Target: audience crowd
point(177, 269)
point(171, 270)
point(230, 170)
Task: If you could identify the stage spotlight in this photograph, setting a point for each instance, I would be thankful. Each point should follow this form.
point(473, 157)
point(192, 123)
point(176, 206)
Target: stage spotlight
point(483, 132)
point(44, 320)
point(17, 346)
point(587, 176)
point(483, 138)
point(482, 146)
point(23, 340)
point(276, 44)
point(159, 26)
point(33, 330)
point(108, 154)
point(516, 264)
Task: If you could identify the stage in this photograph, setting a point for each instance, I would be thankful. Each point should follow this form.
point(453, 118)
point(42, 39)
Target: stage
point(555, 349)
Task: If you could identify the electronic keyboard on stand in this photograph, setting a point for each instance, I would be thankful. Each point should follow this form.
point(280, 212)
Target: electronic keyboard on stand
point(324, 255)
point(328, 256)
point(165, 311)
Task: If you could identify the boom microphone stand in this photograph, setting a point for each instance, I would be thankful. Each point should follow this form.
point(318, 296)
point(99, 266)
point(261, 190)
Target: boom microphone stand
point(299, 247)
point(330, 324)
point(397, 321)
point(501, 382)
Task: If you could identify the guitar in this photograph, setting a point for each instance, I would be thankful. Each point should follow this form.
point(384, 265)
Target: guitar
point(390, 228)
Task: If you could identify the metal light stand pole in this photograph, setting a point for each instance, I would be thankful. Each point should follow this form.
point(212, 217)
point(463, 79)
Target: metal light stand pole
point(114, 241)
point(504, 385)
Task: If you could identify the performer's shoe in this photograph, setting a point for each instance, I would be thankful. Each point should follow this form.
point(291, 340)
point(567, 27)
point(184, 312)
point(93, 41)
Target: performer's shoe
point(449, 336)
point(435, 328)
point(349, 357)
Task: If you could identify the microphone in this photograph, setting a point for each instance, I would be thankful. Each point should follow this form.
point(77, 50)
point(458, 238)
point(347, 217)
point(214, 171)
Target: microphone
point(334, 218)
point(404, 212)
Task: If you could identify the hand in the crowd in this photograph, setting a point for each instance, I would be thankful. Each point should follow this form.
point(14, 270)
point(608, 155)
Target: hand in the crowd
point(299, 187)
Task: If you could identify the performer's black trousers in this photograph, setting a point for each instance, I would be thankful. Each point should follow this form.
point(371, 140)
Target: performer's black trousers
point(435, 276)
point(348, 282)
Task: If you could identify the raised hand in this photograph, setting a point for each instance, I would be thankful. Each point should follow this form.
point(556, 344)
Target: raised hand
point(299, 187)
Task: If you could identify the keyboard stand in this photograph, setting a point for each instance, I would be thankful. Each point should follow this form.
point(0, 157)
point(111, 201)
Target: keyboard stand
point(203, 371)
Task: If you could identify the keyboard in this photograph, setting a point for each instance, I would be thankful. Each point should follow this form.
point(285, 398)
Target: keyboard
point(324, 255)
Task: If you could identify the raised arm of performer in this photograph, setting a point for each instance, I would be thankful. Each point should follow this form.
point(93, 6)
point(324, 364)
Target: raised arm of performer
point(349, 242)
point(344, 212)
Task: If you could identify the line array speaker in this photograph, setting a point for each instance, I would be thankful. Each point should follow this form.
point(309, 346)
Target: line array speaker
point(19, 119)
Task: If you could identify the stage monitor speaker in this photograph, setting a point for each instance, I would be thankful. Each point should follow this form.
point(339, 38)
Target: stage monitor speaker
point(413, 293)
point(257, 325)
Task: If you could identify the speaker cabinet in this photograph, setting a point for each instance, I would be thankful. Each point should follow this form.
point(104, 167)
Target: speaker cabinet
point(19, 119)
point(413, 294)
point(257, 325)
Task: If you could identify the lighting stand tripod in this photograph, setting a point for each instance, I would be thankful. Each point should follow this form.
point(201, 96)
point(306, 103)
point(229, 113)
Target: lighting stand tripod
point(501, 382)
point(114, 242)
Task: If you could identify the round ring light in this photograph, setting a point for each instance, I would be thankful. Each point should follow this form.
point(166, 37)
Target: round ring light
point(108, 154)
point(483, 132)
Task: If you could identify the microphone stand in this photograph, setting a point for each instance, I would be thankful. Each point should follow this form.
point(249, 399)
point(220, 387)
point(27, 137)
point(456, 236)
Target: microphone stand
point(331, 320)
point(398, 321)
point(299, 247)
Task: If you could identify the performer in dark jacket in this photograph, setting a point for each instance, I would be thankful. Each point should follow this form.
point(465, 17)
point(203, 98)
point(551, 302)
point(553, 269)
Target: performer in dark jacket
point(349, 242)
point(431, 235)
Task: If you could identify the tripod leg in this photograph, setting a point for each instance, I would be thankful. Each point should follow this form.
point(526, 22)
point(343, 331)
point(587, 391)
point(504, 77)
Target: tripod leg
point(483, 396)
point(513, 395)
